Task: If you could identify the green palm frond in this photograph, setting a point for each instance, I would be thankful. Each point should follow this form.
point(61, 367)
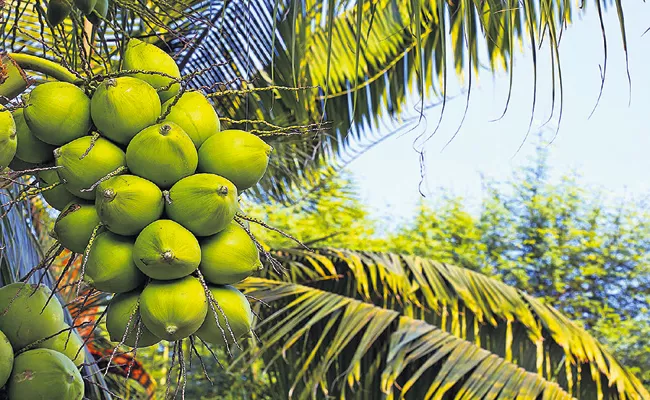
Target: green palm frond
point(397, 318)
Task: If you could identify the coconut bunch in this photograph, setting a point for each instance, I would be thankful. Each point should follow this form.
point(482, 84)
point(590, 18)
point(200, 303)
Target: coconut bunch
point(59, 10)
point(148, 187)
point(39, 353)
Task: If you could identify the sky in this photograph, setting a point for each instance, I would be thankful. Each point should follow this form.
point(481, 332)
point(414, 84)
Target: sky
point(610, 150)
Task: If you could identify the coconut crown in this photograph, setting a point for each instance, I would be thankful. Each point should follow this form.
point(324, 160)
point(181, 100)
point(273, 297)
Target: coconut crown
point(58, 112)
point(173, 309)
point(123, 313)
point(147, 57)
point(45, 374)
point(203, 203)
point(238, 321)
point(238, 156)
point(122, 107)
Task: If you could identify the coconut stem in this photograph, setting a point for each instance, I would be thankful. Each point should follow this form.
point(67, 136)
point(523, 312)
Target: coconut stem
point(223, 190)
point(165, 129)
point(109, 194)
point(167, 256)
point(112, 82)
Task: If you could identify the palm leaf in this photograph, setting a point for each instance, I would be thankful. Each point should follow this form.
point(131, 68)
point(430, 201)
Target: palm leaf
point(343, 308)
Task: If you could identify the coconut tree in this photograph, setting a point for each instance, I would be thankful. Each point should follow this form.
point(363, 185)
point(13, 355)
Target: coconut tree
point(313, 78)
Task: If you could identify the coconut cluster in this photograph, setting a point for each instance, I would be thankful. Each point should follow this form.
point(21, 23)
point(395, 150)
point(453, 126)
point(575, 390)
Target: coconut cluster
point(148, 187)
point(39, 352)
point(94, 10)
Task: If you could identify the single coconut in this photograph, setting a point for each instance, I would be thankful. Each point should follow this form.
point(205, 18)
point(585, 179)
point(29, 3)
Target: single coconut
point(6, 359)
point(57, 11)
point(194, 113)
point(162, 153)
point(233, 304)
point(86, 6)
point(229, 256)
point(58, 197)
point(82, 173)
point(165, 250)
point(122, 107)
point(21, 320)
point(203, 203)
point(100, 11)
point(17, 164)
point(236, 155)
point(122, 314)
point(58, 112)
point(8, 140)
point(74, 227)
point(128, 203)
point(110, 266)
point(67, 342)
point(29, 148)
point(147, 57)
point(45, 374)
point(175, 309)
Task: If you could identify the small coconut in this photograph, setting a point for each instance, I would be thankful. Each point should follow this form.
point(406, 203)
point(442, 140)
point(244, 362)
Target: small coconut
point(29, 148)
point(45, 374)
point(6, 359)
point(58, 197)
point(81, 173)
point(67, 343)
point(162, 153)
point(8, 140)
point(128, 203)
point(147, 57)
point(74, 226)
point(86, 6)
point(238, 313)
point(110, 266)
point(165, 250)
point(21, 320)
point(194, 113)
point(121, 315)
point(203, 203)
point(236, 155)
point(57, 11)
point(58, 112)
point(174, 309)
point(122, 107)
point(100, 11)
point(229, 256)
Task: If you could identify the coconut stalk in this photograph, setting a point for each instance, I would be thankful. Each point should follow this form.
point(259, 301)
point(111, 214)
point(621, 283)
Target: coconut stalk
point(14, 80)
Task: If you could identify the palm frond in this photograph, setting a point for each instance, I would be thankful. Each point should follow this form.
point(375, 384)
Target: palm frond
point(492, 316)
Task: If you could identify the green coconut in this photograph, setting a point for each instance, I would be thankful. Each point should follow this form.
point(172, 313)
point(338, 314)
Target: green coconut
point(238, 314)
point(147, 57)
point(165, 250)
point(45, 374)
point(57, 11)
point(194, 113)
point(236, 155)
point(100, 11)
point(110, 266)
point(229, 256)
point(8, 139)
point(86, 6)
point(122, 107)
point(174, 309)
point(22, 320)
point(29, 148)
point(58, 197)
point(17, 164)
point(128, 203)
point(82, 173)
point(58, 112)
point(74, 226)
point(203, 203)
point(162, 153)
point(121, 310)
point(67, 343)
point(6, 359)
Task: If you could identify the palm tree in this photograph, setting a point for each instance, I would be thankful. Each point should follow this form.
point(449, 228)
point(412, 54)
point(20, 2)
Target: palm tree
point(314, 77)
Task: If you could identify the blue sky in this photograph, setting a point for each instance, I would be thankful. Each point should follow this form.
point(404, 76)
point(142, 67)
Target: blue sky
point(609, 150)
